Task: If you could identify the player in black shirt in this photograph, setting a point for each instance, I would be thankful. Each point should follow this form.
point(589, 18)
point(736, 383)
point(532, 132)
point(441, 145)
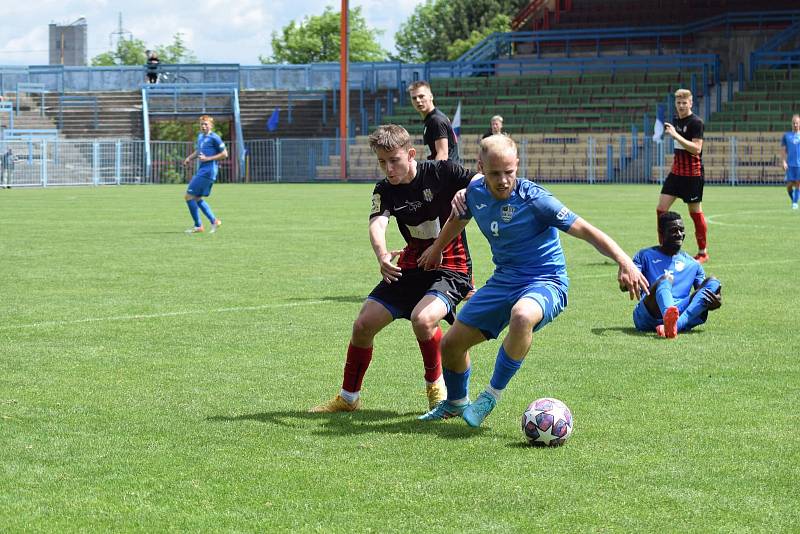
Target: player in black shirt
point(438, 133)
point(418, 195)
point(496, 127)
point(686, 180)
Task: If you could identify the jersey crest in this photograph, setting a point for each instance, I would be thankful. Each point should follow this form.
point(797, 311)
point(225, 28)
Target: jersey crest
point(507, 212)
point(679, 265)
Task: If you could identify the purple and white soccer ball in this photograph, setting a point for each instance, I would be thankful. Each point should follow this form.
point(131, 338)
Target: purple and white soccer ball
point(547, 422)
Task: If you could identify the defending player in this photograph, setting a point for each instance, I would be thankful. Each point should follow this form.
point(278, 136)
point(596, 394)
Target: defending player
point(437, 133)
point(686, 180)
point(528, 289)
point(210, 149)
point(790, 142)
point(418, 195)
point(671, 307)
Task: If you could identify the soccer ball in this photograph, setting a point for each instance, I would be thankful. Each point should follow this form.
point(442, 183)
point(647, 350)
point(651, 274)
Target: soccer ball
point(547, 422)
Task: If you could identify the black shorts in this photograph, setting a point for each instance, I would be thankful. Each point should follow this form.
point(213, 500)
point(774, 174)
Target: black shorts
point(687, 188)
point(402, 296)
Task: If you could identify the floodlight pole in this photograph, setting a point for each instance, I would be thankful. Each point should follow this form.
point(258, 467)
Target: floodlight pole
point(344, 98)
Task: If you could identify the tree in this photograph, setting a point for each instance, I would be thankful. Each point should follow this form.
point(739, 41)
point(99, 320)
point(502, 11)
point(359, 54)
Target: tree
point(132, 52)
point(438, 30)
point(316, 40)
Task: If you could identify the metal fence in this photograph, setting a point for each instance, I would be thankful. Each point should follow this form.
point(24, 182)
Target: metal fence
point(745, 159)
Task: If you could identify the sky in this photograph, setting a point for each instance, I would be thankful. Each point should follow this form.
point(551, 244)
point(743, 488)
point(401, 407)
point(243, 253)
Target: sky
point(217, 31)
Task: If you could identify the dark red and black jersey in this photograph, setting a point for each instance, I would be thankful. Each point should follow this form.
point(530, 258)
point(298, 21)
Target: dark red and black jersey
point(685, 163)
point(421, 209)
point(437, 126)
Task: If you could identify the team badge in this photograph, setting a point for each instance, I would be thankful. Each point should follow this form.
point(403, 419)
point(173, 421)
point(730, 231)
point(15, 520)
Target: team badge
point(427, 195)
point(376, 204)
point(679, 265)
point(506, 213)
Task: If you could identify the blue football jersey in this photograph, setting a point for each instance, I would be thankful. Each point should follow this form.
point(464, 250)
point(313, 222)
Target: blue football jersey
point(686, 271)
point(521, 230)
point(791, 142)
point(209, 145)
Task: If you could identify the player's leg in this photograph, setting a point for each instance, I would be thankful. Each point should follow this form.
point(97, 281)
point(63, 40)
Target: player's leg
point(445, 290)
point(694, 201)
point(537, 307)
point(191, 202)
point(425, 320)
point(793, 185)
point(456, 371)
point(708, 297)
point(203, 205)
point(372, 318)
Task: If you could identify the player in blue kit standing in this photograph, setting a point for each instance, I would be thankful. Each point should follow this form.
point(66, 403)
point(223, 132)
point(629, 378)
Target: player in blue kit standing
point(528, 289)
point(791, 160)
point(671, 307)
point(210, 149)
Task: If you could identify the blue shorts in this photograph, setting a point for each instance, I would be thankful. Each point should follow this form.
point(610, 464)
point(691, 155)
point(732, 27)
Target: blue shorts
point(201, 183)
point(792, 174)
point(489, 309)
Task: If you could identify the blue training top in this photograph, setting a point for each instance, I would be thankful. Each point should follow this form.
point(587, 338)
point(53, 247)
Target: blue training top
point(209, 145)
point(791, 142)
point(521, 230)
point(687, 272)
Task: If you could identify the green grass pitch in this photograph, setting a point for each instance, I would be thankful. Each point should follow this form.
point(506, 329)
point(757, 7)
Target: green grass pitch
point(154, 381)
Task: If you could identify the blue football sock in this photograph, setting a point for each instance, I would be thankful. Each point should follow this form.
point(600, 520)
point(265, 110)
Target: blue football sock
point(457, 384)
point(505, 368)
point(207, 210)
point(796, 195)
point(664, 296)
point(194, 211)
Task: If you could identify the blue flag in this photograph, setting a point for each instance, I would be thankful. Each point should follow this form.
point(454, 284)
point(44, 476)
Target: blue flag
point(272, 123)
point(658, 127)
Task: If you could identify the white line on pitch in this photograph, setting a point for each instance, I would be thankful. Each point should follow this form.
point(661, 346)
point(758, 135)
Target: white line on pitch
point(160, 315)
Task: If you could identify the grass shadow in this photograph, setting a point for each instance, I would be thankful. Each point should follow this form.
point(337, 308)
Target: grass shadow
point(629, 330)
point(357, 299)
point(357, 423)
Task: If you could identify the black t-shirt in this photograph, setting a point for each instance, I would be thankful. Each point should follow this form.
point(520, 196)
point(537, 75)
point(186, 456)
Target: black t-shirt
point(685, 163)
point(437, 126)
point(421, 209)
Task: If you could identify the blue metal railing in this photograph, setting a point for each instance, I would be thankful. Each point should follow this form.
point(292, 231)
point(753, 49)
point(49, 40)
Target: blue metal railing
point(496, 44)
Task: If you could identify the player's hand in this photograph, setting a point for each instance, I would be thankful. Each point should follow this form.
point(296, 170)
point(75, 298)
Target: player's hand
point(669, 129)
point(785, 166)
point(430, 259)
point(630, 278)
point(459, 202)
point(202, 157)
point(186, 162)
point(389, 271)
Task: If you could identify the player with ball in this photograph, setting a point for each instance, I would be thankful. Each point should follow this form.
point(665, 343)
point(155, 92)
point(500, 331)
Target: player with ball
point(528, 289)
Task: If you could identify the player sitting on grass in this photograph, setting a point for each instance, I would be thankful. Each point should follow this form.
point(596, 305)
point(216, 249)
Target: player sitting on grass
point(418, 195)
point(528, 289)
point(672, 273)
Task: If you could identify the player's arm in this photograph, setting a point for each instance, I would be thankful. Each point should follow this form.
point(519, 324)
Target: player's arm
point(377, 237)
point(695, 146)
point(431, 258)
point(442, 149)
point(785, 154)
point(190, 157)
point(628, 275)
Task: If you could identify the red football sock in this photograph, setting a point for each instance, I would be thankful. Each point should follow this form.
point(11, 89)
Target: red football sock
point(659, 213)
point(432, 356)
point(355, 368)
point(700, 229)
